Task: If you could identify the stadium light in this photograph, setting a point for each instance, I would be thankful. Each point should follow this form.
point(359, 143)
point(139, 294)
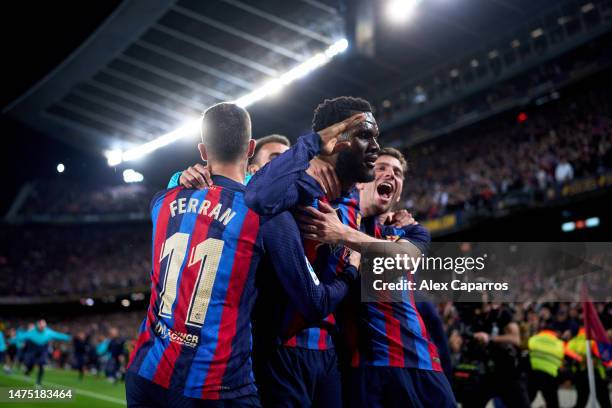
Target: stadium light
point(115, 157)
point(60, 168)
point(400, 11)
point(132, 176)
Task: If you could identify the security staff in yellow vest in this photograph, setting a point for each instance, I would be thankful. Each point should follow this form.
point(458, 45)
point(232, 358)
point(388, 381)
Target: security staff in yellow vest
point(577, 345)
point(546, 353)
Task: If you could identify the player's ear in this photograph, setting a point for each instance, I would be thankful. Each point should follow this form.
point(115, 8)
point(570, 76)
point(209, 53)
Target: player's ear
point(203, 153)
point(252, 168)
point(251, 148)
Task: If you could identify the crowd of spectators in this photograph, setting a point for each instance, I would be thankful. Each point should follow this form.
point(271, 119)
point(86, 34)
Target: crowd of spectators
point(534, 154)
point(75, 259)
point(60, 198)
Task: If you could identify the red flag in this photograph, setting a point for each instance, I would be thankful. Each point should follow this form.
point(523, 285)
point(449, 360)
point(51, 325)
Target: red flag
point(594, 328)
point(592, 325)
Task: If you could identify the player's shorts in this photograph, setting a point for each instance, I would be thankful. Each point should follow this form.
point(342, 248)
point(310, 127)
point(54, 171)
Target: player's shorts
point(142, 393)
point(12, 352)
point(36, 355)
point(391, 387)
point(293, 377)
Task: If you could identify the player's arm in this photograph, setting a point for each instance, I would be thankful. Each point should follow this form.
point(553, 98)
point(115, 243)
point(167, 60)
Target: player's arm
point(283, 183)
point(512, 335)
point(324, 225)
point(294, 177)
point(313, 298)
point(55, 335)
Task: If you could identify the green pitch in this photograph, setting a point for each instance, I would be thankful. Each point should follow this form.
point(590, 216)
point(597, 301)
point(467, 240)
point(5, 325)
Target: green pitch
point(91, 392)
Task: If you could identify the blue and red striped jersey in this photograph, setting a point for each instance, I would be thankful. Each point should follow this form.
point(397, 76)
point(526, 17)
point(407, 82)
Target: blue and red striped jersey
point(196, 337)
point(393, 334)
point(207, 246)
point(327, 262)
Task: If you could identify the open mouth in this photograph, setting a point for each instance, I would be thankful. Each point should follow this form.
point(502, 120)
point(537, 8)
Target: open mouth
point(385, 190)
point(371, 161)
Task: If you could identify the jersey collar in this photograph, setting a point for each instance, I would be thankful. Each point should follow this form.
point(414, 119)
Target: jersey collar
point(228, 183)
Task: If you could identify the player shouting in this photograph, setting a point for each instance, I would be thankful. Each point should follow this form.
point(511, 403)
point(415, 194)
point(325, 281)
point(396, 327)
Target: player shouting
point(394, 360)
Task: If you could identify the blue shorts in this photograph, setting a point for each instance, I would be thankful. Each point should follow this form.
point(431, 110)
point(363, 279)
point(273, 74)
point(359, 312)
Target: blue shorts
point(297, 377)
point(36, 355)
point(391, 387)
point(142, 393)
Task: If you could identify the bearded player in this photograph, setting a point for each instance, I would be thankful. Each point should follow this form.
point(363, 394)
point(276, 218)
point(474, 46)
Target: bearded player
point(301, 370)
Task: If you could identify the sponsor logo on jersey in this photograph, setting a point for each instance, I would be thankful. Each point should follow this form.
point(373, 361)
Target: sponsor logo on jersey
point(184, 339)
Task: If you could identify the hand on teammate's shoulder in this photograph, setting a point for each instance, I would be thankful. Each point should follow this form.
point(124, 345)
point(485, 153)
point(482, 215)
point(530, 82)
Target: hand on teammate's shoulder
point(196, 176)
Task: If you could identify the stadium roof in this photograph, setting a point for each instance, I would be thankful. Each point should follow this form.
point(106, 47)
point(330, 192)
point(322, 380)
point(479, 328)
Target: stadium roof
point(153, 65)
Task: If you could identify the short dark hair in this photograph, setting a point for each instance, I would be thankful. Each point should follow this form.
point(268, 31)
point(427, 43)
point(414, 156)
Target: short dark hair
point(335, 110)
point(226, 131)
point(274, 138)
point(393, 152)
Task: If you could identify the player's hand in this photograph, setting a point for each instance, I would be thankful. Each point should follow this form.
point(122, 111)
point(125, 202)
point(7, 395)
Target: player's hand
point(326, 176)
point(482, 337)
point(331, 137)
point(196, 176)
point(400, 219)
point(355, 259)
point(321, 225)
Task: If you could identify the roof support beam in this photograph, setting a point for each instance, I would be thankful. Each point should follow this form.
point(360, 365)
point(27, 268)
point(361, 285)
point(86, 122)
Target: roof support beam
point(138, 100)
point(238, 33)
point(509, 6)
point(123, 110)
point(321, 6)
point(106, 121)
point(196, 65)
point(280, 21)
point(162, 92)
point(176, 78)
point(83, 136)
point(216, 50)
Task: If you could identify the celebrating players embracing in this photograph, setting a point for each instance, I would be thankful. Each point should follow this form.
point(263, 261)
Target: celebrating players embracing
point(194, 346)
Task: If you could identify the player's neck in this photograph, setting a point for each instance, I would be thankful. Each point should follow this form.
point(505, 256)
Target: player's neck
point(231, 171)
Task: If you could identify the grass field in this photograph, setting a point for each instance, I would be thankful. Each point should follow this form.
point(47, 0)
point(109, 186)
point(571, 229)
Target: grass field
point(94, 392)
point(91, 392)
